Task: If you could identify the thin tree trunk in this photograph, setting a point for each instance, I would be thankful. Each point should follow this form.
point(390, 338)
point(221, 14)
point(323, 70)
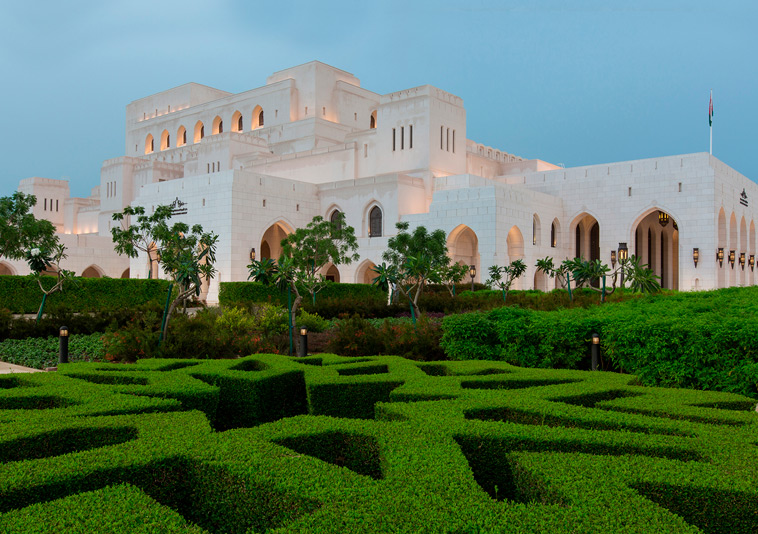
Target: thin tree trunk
point(171, 309)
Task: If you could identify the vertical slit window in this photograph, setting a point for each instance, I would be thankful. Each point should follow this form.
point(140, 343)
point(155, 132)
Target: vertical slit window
point(45, 205)
point(447, 139)
point(410, 136)
point(393, 139)
point(453, 141)
point(442, 132)
point(402, 137)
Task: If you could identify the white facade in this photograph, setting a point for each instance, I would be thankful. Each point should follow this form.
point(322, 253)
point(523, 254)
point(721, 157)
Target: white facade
point(255, 165)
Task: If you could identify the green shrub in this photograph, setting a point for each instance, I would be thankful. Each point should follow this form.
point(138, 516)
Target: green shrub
point(21, 294)
point(39, 353)
point(469, 336)
point(312, 321)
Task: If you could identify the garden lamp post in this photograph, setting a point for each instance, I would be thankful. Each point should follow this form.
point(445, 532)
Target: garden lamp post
point(303, 349)
point(595, 350)
point(63, 345)
point(623, 255)
point(472, 272)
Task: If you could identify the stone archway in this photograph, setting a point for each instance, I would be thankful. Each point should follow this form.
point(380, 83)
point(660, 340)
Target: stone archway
point(332, 274)
point(515, 244)
point(463, 247)
point(93, 271)
point(271, 242)
point(6, 269)
point(365, 274)
point(656, 243)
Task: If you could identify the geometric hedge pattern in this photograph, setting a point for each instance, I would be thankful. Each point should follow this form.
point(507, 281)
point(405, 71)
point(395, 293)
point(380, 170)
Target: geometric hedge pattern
point(339, 445)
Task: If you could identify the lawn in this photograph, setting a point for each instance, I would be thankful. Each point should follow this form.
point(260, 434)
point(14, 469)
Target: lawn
point(331, 444)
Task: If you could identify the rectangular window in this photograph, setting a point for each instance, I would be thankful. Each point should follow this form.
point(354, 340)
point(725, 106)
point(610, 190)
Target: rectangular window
point(442, 132)
point(630, 191)
point(56, 205)
point(365, 151)
point(410, 136)
point(208, 168)
point(323, 111)
point(114, 189)
point(453, 141)
point(45, 205)
point(402, 138)
point(393, 139)
point(448, 140)
point(680, 187)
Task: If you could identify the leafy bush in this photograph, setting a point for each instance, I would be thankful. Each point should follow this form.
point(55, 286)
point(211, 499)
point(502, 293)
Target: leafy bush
point(312, 321)
point(21, 294)
point(39, 353)
point(469, 336)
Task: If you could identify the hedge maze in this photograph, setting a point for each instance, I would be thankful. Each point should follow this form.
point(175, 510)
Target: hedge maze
point(337, 445)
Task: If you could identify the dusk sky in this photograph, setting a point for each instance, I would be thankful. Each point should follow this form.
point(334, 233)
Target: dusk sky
point(571, 82)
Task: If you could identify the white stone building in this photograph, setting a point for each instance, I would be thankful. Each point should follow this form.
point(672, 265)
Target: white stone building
point(255, 165)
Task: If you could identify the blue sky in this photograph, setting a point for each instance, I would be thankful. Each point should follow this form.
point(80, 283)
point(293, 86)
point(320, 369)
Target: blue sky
point(574, 82)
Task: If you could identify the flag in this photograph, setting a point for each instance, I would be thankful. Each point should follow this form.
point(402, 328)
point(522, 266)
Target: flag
point(710, 111)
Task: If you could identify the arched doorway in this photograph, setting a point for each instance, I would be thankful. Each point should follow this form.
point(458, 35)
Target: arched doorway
point(656, 243)
point(365, 273)
point(722, 244)
point(93, 271)
point(6, 269)
point(586, 237)
point(515, 244)
point(271, 242)
point(733, 241)
point(463, 247)
point(125, 274)
point(332, 274)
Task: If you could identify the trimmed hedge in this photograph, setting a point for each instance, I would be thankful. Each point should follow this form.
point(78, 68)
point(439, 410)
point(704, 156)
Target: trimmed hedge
point(21, 294)
point(245, 293)
point(464, 447)
point(705, 340)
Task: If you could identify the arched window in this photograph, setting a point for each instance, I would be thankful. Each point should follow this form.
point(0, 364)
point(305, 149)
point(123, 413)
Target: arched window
point(199, 132)
point(257, 121)
point(553, 236)
point(375, 222)
point(181, 136)
point(237, 122)
point(536, 230)
point(165, 140)
point(372, 122)
point(335, 218)
point(218, 125)
point(149, 144)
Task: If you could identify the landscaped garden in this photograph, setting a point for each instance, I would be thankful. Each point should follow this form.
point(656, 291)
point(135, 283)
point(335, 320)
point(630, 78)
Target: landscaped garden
point(427, 405)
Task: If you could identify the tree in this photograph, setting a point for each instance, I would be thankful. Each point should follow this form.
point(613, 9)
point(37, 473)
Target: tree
point(41, 261)
point(412, 260)
point(453, 274)
point(305, 252)
point(187, 255)
point(503, 276)
point(639, 277)
point(131, 239)
point(21, 231)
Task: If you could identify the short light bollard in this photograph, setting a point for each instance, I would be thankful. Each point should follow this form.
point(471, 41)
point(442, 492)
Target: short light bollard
point(595, 351)
point(63, 345)
point(302, 350)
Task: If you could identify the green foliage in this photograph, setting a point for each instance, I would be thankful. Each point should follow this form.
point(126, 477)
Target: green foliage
point(380, 444)
point(138, 232)
point(20, 294)
point(503, 276)
point(39, 353)
point(312, 321)
point(20, 231)
point(469, 336)
point(246, 293)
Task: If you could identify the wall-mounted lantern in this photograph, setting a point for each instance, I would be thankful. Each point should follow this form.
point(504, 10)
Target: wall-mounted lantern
point(751, 262)
point(720, 256)
point(663, 218)
point(613, 259)
point(252, 254)
point(695, 256)
point(742, 260)
point(731, 258)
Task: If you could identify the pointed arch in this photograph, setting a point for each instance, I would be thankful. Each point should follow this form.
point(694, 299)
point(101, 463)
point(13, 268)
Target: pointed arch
point(271, 239)
point(257, 120)
point(93, 271)
point(536, 230)
point(6, 269)
point(126, 273)
point(515, 245)
point(733, 243)
point(364, 273)
point(181, 136)
point(585, 230)
point(149, 144)
point(199, 131)
point(463, 247)
point(165, 140)
point(372, 120)
point(332, 273)
point(237, 125)
point(217, 126)
point(333, 217)
point(373, 218)
point(555, 233)
point(742, 253)
point(657, 244)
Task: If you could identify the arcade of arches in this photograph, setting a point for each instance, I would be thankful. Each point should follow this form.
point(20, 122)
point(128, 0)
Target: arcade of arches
point(656, 243)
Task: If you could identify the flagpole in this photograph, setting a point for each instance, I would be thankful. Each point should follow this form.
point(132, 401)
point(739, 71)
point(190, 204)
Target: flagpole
point(710, 126)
